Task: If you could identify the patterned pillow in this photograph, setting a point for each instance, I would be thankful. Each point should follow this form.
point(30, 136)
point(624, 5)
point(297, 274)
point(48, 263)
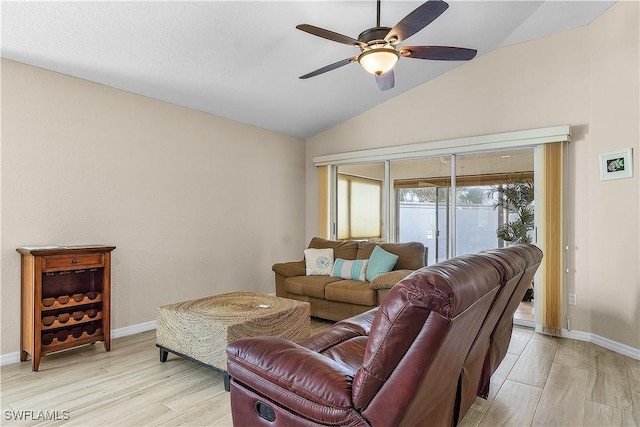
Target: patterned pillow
point(352, 270)
point(318, 262)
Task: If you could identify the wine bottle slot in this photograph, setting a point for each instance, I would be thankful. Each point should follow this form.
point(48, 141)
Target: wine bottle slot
point(63, 299)
point(91, 295)
point(48, 338)
point(78, 315)
point(48, 320)
point(62, 335)
point(77, 297)
point(92, 312)
point(63, 317)
point(48, 302)
point(77, 332)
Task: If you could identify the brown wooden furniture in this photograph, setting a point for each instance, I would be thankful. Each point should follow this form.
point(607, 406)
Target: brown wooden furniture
point(65, 299)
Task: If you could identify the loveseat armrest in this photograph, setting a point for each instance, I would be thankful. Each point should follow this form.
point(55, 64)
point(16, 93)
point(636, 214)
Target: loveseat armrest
point(290, 269)
point(388, 280)
point(292, 375)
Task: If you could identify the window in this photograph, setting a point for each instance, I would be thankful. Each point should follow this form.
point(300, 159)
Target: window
point(358, 202)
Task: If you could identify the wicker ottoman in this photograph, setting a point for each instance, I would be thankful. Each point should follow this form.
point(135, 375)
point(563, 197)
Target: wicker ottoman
point(200, 329)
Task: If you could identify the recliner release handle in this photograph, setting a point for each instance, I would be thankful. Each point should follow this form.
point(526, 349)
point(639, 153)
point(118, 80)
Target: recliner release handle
point(265, 411)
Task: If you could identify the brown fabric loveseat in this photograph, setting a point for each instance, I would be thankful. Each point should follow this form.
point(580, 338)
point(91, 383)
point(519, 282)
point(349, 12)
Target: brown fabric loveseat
point(409, 362)
point(334, 298)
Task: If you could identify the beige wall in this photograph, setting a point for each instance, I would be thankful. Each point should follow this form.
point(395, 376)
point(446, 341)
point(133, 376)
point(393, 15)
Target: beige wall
point(195, 204)
point(587, 78)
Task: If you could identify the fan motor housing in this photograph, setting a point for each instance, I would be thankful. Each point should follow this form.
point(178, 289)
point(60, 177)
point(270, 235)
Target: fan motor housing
point(373, 34)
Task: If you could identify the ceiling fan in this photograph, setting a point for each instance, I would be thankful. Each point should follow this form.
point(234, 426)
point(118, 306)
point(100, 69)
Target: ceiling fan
point(379, 50)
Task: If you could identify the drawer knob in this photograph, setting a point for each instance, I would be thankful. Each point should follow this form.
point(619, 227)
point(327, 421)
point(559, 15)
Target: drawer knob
point(74, 261)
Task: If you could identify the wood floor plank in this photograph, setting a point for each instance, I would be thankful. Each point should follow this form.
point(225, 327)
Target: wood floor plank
point(633, 370)
point(573, 353)
point(599, 415)
point(609, 379)
point(534, 364)
point(519, 339)
point(563, 397)
point(472, 418)
point(515, 405)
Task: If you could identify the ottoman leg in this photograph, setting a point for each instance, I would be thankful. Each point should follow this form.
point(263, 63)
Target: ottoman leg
point(225, 378)
point(163, 354)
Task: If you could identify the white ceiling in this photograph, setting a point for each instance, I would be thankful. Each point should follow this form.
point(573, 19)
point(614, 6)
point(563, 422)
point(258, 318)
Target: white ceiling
point(241, 59)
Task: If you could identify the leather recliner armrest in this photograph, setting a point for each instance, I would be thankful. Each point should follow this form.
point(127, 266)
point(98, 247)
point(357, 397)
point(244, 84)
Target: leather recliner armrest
point(288, 372)
point(290, 269)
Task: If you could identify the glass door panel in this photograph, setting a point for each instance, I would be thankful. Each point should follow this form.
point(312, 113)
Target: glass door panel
point(480, 180)
point(422, 204)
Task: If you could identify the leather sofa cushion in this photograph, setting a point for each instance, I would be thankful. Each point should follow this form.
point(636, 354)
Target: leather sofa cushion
point(360, 323)
point(312, 286)
point(351, 291)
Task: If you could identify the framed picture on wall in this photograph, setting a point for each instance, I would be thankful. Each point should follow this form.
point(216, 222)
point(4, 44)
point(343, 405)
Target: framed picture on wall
point(616, 164)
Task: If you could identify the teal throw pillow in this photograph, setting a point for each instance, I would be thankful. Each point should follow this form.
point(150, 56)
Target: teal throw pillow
point(351, 270)
point(380, 262)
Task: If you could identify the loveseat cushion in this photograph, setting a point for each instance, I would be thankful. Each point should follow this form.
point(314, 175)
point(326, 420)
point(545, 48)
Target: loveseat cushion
point(351, 291)
point(347, 249)
point(410, 255)
point(387, 280)
point(311, 286)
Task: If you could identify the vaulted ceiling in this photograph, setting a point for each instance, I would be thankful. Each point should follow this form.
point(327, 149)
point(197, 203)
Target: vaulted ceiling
point(242, 59)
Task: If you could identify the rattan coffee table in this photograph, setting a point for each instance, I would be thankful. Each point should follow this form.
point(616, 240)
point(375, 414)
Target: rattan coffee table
point(199, 330)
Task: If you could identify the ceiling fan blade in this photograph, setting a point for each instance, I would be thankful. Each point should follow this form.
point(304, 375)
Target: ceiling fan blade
point(326, 34)
point(438, 53)
point(418, 19)
point(330, 67)
point(386, 81)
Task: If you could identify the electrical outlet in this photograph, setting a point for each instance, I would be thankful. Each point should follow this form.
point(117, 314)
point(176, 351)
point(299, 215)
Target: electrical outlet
point(572, 299)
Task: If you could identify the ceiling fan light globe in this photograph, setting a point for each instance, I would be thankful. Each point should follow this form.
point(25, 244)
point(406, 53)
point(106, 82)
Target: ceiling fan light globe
point(378, 61)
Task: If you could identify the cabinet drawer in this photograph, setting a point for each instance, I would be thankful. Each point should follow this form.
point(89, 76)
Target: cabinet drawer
point(73, 262)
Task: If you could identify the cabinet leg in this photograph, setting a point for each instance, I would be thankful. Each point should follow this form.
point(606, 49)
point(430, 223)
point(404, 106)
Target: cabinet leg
point(107, 346)
point(163, 355)
point(23, 355)
point(35, 362)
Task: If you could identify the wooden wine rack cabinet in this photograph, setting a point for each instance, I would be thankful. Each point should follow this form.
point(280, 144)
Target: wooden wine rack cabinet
point(66, 299)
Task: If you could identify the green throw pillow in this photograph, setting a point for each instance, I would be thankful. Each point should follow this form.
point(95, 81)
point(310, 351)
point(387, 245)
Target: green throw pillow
point(380, 262)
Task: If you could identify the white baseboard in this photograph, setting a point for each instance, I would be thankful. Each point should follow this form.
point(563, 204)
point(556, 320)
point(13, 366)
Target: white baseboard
point(623, 349)
point(133, 329)
point(10, 358)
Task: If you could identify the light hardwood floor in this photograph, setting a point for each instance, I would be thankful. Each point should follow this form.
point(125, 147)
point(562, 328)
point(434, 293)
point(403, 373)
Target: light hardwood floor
point(542, 381)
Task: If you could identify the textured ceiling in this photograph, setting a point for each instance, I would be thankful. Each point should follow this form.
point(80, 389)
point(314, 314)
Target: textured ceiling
point(241, 59)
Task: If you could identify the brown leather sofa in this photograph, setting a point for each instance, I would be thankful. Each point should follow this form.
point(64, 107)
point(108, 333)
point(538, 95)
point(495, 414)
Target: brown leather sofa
point(404, 363)
point(334, 298)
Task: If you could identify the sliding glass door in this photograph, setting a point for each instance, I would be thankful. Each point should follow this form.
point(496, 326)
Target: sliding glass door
point(426, 211)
